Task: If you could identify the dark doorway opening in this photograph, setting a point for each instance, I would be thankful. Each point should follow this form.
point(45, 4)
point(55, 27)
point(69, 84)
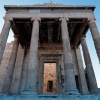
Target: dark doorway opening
point(50, 86)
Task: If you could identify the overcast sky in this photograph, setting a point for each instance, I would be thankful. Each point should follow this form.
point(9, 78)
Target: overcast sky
point(89, 40)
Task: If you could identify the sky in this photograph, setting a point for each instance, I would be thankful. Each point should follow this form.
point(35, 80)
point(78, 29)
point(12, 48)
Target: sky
point(96, 3)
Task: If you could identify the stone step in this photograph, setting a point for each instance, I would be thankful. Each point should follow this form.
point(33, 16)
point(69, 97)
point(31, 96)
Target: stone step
point(49, 97)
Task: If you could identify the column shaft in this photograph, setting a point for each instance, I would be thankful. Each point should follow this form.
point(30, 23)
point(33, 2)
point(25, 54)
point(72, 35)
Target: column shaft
point(70, 84)
point(89, 67)
point(84, 88)
point(95, 36)
point(40, 77)
point(17, 71)
point(11, 65)
point(24, 70)
point(31, 78)
point(4, 36)
point(59, 77)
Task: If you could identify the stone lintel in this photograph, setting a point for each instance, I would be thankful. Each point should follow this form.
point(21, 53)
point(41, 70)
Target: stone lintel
point(83, 36)
point(48, 15)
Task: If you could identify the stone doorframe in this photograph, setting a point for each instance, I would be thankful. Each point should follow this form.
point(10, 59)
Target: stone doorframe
point(45, 58)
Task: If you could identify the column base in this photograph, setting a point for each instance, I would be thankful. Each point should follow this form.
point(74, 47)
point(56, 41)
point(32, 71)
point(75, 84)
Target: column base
point(96, 91)
point(29, 92)
point(72, 92)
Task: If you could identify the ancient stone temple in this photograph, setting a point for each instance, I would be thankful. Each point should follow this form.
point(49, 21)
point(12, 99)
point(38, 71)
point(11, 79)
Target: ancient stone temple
point(44, 61)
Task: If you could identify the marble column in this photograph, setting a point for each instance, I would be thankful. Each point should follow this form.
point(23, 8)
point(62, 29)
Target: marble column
point(84, 87)
point(24, 70)
point(59, 78)
point(17, 71)
point(70, 84)
point(11, 65)
point(40, 76)
point(4, 36)
point(31, 78)
point(95, 36)
point(89, 67)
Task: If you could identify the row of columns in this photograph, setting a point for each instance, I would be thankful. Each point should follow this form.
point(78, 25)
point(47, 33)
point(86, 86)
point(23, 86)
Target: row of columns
point(11, 65)
point(83, 84)
point(89, 67)
point(16, 60)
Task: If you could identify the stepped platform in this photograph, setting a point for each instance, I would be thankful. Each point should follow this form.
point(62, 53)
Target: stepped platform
point(49, 97)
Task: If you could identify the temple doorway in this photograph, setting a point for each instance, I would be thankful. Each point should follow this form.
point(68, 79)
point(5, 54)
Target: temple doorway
point(50, 78)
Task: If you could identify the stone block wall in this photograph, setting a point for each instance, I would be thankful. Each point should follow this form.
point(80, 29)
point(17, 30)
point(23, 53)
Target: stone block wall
point(4, 63)
point(50, 75)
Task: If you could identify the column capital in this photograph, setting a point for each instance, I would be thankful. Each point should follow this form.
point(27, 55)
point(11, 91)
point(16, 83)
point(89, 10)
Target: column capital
point(72, 47)
point(8, 18)
point(83, 37)
point(77, 47)
point(64, 18)
point(91, 19)
point(35, 18)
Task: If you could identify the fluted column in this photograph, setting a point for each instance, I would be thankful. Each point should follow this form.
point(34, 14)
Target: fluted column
point(31, 78)
point(11, 66)
point(17, 71)
point(4, 36)
point(84, 87)
point(95, 36)
point(89, 67)
point(70, 84)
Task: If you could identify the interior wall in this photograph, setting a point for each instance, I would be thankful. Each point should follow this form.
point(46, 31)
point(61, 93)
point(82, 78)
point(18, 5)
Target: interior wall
point(50, 78)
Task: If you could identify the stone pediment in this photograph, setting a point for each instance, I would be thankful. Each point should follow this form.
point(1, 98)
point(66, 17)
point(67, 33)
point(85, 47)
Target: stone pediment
point(48, 5)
